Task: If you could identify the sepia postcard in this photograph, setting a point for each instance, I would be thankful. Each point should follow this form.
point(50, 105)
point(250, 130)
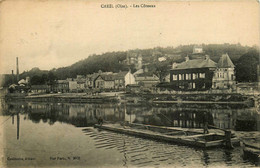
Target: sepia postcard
point(129, 83)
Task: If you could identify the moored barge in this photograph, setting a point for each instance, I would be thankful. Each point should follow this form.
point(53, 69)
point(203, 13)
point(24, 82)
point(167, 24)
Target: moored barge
point(194, 138)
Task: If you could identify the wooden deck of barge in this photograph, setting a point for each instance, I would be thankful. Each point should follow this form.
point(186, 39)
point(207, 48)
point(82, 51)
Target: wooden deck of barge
point(172, 135)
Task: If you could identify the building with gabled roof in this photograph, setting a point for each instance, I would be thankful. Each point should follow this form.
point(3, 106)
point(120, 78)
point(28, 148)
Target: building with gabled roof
point(225, 62)
point(120, 79)
point(147, 79)
point(224, 76)
point(195, 74)
point(203, 74)
point(105, 81)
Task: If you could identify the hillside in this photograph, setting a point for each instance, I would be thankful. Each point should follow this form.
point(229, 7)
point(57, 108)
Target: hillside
point(116, 61)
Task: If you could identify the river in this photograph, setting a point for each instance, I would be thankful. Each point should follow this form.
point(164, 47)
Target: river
point(62, 134)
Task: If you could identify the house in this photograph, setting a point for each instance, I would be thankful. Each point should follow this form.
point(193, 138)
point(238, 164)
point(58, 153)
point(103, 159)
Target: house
point(90, 80)
point(195, 74)
point(147, 79)
point(129, 79)
point(197, 49)
point(81, 85)
point(61, 86)
point(40, 89)
point(120, 79)
point(72, 86)
point(224, 75)
point(134, 58)
point(105, 81)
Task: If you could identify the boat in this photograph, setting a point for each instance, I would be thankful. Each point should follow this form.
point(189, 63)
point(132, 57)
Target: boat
point(251, 150)
point(194, 138)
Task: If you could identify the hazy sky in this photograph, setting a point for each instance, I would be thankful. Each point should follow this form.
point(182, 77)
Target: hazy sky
point(48, 34)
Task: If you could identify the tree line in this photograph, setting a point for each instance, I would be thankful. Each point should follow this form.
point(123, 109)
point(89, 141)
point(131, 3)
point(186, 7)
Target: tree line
point(245, 59)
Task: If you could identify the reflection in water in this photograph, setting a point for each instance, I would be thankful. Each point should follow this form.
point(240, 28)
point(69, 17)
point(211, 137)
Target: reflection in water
point(13, 119)
point(177, 115)
point(18, 125)
point(131, 151)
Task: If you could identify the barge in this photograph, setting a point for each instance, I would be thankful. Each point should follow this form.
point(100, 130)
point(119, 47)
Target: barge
point(252, 151)
point(194, 138)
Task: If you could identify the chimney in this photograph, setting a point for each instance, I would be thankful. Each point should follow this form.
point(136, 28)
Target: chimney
point(17, 69)
point(206, 57)
point(187, 58)
point(12, 76)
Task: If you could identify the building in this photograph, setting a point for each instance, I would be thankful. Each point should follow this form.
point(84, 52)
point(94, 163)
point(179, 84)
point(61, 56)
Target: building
point(197, 49)
point(224, 75)
point(72, 86)
point(134, 58)
point(90, 80)
point(40, 89)
point(129, 79)
point(105, 81)
point(120, 79)
point(61, 86)
point(81, 85)
point(193, 74)
point(147, 79)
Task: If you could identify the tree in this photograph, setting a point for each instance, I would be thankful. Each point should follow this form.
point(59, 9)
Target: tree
point(51, 78)
point(37, 80)
point(246, 66)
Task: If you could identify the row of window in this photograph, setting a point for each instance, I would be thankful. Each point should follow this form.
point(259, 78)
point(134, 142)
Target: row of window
point(192, 85)
point(223, 75)
point(189, 76)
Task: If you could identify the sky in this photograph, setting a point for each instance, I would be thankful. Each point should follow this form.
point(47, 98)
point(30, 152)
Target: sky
point(52, 34)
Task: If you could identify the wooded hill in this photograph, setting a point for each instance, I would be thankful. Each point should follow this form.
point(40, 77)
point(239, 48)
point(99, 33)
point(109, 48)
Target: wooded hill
point(245, 58)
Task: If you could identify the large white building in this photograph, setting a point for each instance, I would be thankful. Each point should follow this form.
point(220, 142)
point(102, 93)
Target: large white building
point(224, 75)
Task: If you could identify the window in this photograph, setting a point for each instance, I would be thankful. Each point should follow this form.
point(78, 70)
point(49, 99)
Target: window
point(180, 77)
point(174, 77)
point(202, 75)
point(193, 85)
point(188, 76)
point(194, 76)
point(190, 86)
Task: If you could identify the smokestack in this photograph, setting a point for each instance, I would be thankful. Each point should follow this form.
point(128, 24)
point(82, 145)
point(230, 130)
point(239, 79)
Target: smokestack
point(17, 69)
point(12, 76)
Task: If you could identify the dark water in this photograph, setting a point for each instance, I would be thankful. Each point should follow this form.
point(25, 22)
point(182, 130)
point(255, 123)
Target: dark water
point(47, 131)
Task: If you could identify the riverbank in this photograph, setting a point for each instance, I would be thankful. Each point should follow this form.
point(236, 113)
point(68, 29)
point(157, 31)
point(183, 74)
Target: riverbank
point(197, 98)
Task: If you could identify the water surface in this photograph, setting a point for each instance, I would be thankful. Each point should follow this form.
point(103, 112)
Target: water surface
point(61, 134)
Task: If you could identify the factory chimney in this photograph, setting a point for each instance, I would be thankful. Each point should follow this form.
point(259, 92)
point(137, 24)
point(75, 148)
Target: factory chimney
point(17, 69)
point(12, 76)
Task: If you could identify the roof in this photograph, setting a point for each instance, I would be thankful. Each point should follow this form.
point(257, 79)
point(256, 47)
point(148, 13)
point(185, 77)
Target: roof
point(62, 81)
point(120, 75)
point(150, 74)
point(225, 62)
point(109, 77)
point(139, 72)
point(196, 63)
